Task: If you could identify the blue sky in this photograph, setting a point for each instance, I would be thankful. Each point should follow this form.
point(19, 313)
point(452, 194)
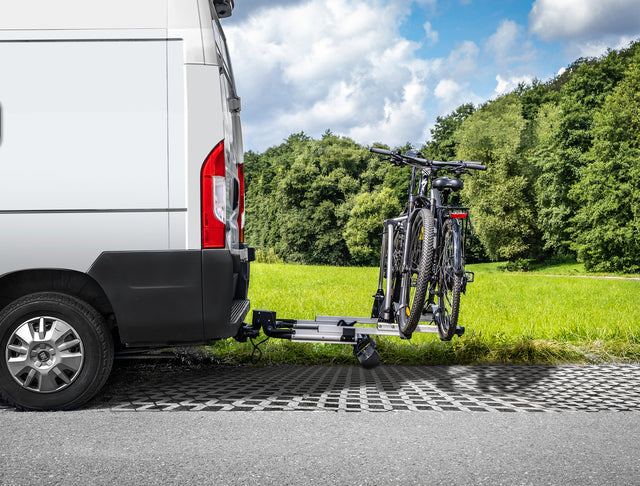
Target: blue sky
point(383, 70)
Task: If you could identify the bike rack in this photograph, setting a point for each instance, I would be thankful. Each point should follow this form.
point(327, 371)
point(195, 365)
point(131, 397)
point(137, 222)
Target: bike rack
point(356, 331)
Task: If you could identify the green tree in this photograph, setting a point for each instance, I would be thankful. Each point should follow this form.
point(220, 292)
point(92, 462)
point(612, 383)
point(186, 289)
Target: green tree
point(557, 169)
point(607, 223)
point(502, 198)
point(301, 194)
point(364, 228)
point(443, 142)
point(562, 160)
point(262, 174)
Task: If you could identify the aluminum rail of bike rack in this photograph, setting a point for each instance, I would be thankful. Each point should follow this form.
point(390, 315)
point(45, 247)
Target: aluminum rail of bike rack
point(327, 329)
point(330, 329)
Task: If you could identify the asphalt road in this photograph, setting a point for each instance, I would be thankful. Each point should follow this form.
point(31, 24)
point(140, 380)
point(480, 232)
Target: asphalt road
point(168, 424)
point(104, 447)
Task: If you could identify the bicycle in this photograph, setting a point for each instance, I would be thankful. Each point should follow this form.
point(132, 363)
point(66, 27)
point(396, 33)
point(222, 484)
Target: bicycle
point(422, 255)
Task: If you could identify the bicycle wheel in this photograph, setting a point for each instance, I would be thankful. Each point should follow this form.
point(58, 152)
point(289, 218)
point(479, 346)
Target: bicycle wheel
point(415, 282)
point(449, 284)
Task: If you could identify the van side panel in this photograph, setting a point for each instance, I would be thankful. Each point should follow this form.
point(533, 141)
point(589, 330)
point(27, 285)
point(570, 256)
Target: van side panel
point(79, 14)
point(73, 241)
point(157, 296)
point(176, 142)
point(82, 121)
point(83, 156)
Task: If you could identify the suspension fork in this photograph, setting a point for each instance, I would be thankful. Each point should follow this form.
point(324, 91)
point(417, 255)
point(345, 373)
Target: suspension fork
point(410, 217)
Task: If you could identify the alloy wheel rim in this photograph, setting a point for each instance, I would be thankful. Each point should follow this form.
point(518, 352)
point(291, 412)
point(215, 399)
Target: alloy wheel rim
point(44, 354)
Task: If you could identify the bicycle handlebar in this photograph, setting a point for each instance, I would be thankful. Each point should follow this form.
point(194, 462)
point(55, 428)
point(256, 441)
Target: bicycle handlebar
point(398, 157)
point(377, 150)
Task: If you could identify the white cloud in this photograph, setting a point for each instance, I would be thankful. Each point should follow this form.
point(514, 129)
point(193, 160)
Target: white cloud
point(509, 44)
point(597, 47)
point(447, 90)
point(462, 61)
point(400, 119)
point(584, 19)
point(505, 36)
point(319, 64)
point(510, 83)
point(345, 65)
point(432, 35)
point(451, 94)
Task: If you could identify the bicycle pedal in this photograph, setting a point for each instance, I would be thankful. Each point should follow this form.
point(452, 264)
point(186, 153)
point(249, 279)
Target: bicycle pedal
point(469, 276)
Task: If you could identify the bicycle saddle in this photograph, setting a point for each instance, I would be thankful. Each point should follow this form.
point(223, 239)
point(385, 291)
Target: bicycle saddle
point(447, 183)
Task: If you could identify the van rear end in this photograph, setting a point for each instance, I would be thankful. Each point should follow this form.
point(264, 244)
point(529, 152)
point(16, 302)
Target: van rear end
point(121, 186)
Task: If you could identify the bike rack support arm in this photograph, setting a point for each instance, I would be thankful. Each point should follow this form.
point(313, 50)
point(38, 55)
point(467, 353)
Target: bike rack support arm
point(386, 306)
point(267, 321)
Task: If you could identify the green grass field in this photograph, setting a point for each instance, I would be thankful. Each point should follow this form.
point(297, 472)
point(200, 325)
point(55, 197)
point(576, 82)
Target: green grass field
point(551, 315)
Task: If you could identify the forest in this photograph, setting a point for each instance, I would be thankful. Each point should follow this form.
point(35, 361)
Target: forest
point(563, 178)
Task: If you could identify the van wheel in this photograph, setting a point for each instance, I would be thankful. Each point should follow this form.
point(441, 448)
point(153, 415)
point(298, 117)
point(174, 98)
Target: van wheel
point(56, 352)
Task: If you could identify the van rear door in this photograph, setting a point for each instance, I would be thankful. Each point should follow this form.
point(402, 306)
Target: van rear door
point(233, 147)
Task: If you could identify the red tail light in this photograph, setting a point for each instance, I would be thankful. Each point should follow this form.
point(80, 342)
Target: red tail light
point(213, 198)
point(458, 215)
point(241, 203)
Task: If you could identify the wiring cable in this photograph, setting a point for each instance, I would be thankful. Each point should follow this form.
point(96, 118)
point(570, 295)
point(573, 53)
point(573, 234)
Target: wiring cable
point(256, 348)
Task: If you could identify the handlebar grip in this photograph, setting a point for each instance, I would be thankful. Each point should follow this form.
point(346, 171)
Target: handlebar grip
point(377, 150)
point(476, 166)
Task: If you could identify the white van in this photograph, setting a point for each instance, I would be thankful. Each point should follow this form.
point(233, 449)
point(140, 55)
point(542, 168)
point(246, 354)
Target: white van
point(121, 189)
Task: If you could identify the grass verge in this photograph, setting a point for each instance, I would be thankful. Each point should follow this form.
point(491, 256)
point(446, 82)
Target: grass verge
point(548, 316)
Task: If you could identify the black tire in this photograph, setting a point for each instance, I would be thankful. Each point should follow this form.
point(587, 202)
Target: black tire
point(56, 352)
point(449, 284)
point(416, 283)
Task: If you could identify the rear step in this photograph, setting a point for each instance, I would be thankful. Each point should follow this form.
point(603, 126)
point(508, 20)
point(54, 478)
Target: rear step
point(239, 310)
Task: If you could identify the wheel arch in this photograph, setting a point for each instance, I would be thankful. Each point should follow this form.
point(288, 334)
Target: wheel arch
point(77, 284)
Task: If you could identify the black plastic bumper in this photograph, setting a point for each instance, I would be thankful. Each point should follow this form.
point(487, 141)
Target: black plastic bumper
point(176, 296)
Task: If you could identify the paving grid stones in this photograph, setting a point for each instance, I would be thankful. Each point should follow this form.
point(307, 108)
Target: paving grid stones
point(385, 388)
point(491, 388)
